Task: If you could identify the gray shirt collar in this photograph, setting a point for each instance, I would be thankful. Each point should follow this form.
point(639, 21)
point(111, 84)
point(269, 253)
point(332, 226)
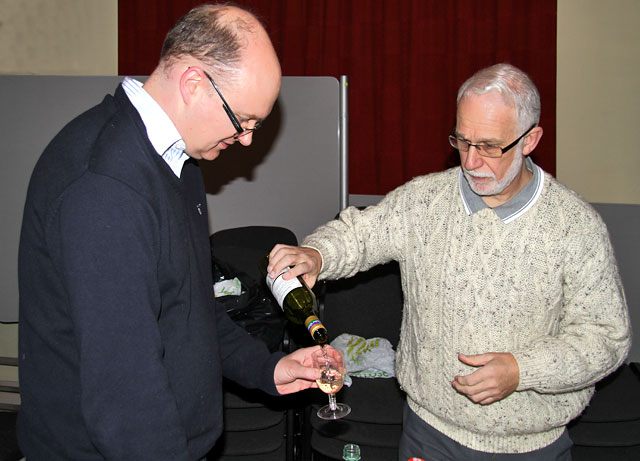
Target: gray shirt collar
point(516, 206)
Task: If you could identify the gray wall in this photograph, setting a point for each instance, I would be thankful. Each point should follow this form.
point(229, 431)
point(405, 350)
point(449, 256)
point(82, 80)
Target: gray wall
point(289, 177)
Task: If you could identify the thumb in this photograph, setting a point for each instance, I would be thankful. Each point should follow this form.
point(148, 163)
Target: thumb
point(309, 279)
point(304, 372)
point(477, 360)
point(292, 370)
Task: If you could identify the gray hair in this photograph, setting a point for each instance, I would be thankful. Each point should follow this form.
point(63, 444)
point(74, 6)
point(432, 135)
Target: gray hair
point(515, 87)
point(206, 35)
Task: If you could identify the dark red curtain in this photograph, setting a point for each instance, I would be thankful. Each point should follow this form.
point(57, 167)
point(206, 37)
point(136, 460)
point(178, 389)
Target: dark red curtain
point(405, 60)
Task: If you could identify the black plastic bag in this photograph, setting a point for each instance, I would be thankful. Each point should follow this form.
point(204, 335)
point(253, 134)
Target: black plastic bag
point(255, 309)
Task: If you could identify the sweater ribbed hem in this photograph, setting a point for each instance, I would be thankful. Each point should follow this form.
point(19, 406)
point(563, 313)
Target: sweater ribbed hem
point(489, 443)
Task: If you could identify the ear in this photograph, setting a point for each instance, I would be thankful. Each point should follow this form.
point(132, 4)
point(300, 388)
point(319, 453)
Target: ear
point(190, 84)
point(531, 140)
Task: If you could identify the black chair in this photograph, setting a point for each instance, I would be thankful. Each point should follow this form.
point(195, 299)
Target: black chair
point(367, 305)
point(609, 428)
point(256, 426)
point(9, 407)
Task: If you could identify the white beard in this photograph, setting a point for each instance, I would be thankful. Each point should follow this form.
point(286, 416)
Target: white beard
point(497, 186)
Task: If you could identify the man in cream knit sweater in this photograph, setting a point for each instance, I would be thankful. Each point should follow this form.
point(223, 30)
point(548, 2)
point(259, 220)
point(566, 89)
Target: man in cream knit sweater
point(513, 306)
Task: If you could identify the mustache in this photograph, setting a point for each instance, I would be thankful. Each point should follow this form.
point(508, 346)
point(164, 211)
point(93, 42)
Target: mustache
point(477, 174)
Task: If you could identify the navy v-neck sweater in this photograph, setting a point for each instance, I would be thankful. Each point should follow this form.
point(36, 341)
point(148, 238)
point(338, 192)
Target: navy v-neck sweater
point(122, 346)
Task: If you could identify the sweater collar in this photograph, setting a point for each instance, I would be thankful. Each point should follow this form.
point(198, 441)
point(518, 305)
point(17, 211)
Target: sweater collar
point(516, 206)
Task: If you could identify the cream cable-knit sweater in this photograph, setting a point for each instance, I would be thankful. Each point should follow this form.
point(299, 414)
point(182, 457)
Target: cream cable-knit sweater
point(544, 287)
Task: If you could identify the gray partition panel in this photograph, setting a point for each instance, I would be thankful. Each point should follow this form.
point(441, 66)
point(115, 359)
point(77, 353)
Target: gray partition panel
point(290, 177)
point(623, 223)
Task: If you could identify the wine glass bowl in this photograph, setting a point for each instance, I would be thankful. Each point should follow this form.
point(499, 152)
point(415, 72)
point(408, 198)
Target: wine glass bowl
point(330, 382)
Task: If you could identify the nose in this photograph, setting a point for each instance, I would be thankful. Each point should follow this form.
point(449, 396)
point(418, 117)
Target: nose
point(472, 158)
point(246, 139)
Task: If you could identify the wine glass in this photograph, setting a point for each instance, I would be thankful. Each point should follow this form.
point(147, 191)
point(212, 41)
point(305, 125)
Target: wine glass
point(331, 381)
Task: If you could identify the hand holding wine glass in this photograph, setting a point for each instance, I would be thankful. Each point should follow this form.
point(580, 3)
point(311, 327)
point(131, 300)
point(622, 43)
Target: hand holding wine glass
point(330, 382)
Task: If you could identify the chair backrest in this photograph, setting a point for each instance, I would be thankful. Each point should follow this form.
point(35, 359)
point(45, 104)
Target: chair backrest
point(237, 252)
point(245, 246)
point(257, 426)
point(368, 304)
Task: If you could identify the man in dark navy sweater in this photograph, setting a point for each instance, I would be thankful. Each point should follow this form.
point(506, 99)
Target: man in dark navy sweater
point(122, 345)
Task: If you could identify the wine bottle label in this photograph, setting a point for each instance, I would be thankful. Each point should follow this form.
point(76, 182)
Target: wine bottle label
point(280, 287)
point(313, 324)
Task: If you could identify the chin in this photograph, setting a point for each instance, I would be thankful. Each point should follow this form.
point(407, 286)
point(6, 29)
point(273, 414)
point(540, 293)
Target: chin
point(485, 187)
point(211, 155)
point(482, 191)
point(488, 189)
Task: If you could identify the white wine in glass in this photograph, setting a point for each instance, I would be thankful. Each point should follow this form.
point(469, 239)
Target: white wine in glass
point(330, 382)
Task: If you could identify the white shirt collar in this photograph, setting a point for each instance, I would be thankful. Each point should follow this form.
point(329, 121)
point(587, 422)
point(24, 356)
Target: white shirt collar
point(161, 131)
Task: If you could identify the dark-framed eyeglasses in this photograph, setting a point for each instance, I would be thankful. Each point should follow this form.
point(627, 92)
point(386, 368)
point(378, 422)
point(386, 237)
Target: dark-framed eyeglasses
point(240, 131)
point(486, 150)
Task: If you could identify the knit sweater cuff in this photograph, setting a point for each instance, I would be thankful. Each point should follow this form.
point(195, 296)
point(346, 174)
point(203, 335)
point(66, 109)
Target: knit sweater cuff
point(321, 257)
point(531, 369)
point(323, 247)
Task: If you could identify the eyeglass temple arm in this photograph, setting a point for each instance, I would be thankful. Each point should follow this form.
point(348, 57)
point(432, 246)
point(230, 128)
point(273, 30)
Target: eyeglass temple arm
point(232, 117)
point(226, 107)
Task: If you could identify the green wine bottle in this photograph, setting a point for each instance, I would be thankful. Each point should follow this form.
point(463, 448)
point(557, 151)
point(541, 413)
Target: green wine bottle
point(297, 301)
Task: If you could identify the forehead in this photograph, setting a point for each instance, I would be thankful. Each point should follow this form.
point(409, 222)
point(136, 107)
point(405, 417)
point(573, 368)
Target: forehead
point(486, 113)
point(257, 88)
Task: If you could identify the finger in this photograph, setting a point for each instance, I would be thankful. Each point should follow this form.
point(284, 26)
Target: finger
point(303, 355)
point(280, 258)
point(483, 398)
point(299, 266)
point(277, 248)
point(467, 389)
point(295, 386)
point(472, 379)
point(476, 393)
point(477, 360)
point(309, 351)
point(289, 370)
point(275, 254)
point(304, 261)
point(275, 257)
point(306, 373)
point(489, 400)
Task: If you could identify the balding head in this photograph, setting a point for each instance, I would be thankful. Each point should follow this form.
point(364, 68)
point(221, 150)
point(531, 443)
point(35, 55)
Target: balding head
point(229, 45)
point(219, 36)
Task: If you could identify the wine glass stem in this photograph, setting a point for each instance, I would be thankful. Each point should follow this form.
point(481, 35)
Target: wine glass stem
point(332, 402)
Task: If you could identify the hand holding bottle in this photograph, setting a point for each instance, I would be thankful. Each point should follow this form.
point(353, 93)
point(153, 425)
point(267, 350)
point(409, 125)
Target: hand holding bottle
point(297, 301)
point(305, 262)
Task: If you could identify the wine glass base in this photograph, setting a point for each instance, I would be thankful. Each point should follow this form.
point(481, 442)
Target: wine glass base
point(327, 413)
